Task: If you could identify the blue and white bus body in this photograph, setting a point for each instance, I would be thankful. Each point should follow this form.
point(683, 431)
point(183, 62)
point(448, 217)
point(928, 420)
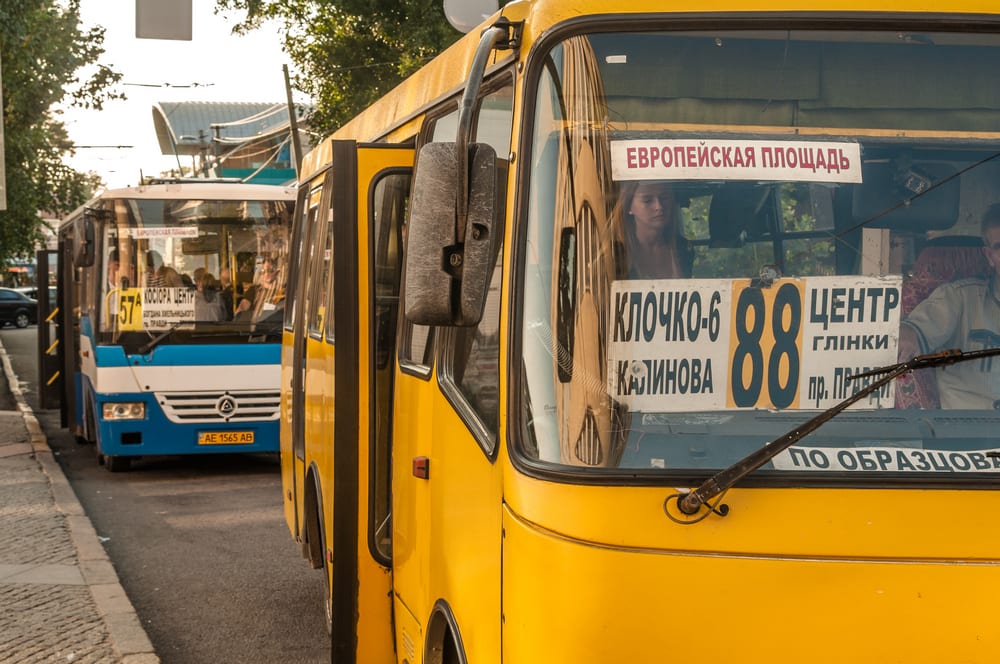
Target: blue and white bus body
point(157, 361)
point(187, 393)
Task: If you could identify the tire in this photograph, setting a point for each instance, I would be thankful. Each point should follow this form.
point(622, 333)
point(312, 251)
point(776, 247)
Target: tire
point(314, 548)
point(325, 569)
point(21, 319)
point(450, 654)
point(328, 599)
point(117, 464)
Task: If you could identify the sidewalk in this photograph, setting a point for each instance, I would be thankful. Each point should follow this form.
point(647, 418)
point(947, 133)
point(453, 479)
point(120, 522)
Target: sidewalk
point(60, 598)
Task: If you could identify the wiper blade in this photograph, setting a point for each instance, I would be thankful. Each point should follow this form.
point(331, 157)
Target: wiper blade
point(690, 503)
point(155, 341)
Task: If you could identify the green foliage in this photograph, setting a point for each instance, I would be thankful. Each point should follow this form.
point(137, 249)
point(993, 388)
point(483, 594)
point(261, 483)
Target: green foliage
point(804, 253)
point(348, 53)
point(42, 52)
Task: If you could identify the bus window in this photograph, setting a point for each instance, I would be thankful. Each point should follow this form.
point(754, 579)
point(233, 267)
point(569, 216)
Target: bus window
point(389, 204)
point(474, 362)
point(472, 354)
point(319, 284)
point(786, 234)
point(416, 343)
point(735, 229)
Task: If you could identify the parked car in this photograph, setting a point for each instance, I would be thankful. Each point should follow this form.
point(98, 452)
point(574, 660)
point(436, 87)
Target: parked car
point(17, 308)
point(32, 292)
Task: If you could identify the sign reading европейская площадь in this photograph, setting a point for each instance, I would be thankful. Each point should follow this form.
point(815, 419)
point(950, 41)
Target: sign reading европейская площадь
point(751, 160)
point(720, 344)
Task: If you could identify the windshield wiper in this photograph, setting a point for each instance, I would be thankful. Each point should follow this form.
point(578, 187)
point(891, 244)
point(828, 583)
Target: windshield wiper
point(155, 341)
point(690, 503)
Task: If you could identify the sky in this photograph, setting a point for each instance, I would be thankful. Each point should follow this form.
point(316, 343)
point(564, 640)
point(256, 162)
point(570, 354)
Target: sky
point(214, 66)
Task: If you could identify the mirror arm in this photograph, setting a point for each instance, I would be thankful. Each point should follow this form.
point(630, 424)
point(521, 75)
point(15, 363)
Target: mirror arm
point(496, 36)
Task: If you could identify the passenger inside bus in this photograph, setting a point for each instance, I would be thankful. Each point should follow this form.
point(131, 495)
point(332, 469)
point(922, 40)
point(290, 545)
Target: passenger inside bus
point(208, 304)
point(265, 296)
point(159, 274)
point(965, 314)
point(226, 291)
point(114, 269)
point(652, 232)
point(154, 262)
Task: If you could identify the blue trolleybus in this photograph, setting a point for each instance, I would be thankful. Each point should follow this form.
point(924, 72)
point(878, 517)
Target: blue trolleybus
point(170, 303)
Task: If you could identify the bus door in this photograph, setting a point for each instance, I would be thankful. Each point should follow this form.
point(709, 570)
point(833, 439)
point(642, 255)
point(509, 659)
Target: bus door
point(50, 377)
point(313, 205)
point(68, 288)
point(370, 195)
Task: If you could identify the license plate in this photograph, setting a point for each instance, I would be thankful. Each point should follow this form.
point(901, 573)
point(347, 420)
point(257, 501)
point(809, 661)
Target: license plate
point(225, 437)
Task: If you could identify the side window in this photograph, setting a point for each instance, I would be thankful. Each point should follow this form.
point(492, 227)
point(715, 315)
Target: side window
point(472, 355)
point(389, 202)
point(416, 342)
point(320, 274)
point(306, 220)
point(388, 205)
point(493, 126)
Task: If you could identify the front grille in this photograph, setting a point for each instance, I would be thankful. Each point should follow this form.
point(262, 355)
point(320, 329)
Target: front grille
point(218, 407)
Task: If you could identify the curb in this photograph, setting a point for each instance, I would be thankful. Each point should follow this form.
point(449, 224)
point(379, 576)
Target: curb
point(128, 637)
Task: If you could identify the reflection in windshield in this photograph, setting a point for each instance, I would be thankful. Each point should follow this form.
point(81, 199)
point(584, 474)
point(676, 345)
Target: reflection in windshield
point(725, 230)
point(196, 268)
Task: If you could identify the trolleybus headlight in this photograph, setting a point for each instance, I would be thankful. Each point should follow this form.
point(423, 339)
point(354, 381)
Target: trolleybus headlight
point(130, 410)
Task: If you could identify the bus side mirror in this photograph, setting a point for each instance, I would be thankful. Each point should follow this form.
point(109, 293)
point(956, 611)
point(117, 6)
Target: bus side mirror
point(83, 240)
point(448, 263)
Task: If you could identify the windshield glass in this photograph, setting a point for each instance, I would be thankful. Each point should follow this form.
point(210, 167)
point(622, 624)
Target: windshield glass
point(201, 269)
point(723, 228)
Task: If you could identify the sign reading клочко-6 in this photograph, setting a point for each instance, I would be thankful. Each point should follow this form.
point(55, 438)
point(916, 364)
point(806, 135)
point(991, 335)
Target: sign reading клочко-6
point(718, 344)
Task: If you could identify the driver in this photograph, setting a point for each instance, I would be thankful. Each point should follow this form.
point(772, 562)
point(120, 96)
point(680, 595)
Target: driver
point(962, 314)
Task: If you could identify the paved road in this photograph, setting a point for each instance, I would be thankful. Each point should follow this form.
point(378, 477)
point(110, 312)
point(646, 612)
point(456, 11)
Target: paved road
point(200, 545)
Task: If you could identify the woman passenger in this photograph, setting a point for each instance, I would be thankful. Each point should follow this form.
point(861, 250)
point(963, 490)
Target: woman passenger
point(654, 244)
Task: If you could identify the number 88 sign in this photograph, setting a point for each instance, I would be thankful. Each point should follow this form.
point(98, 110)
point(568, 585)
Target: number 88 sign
point(765, 345)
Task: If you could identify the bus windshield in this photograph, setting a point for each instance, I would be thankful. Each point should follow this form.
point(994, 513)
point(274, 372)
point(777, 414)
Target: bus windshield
point(724, 228)
point(202, 270)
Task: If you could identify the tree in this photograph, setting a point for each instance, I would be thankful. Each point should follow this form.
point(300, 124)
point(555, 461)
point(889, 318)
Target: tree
point(350, 52)
point(43, 51)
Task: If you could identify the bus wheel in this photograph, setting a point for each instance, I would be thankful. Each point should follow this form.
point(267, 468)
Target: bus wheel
point(450, 653)
point(117, 464)
point(328, 600)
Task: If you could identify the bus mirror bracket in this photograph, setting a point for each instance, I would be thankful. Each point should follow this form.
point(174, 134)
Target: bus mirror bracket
point(451, 235)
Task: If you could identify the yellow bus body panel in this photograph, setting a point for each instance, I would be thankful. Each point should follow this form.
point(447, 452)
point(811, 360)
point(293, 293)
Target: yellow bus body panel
point(570, 600)
point(318, 433)
point(863, 523)
point(447, 531)
point(878, 575)
point(288, 465)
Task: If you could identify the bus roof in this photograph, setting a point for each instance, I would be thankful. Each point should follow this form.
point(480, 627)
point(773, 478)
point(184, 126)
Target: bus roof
point(218, 190)
point(446, 74)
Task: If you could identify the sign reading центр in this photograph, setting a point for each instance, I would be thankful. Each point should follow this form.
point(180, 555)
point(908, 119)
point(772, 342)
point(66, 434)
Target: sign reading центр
point(757, 160)
point(721, 344)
